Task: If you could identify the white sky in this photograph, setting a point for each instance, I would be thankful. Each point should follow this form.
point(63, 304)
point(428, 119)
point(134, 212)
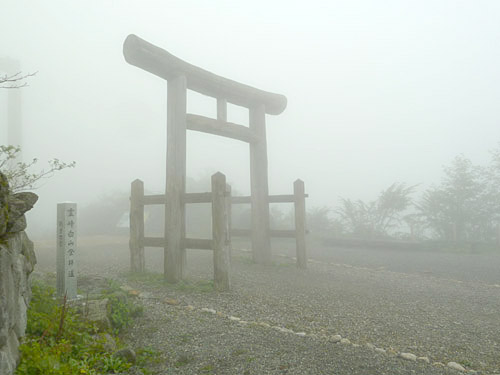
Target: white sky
point(378, 91)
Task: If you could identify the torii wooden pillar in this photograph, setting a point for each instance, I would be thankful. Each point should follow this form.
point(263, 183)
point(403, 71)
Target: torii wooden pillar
point(181, 76)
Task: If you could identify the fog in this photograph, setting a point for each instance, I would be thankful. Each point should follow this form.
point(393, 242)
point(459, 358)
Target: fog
point(377, 92)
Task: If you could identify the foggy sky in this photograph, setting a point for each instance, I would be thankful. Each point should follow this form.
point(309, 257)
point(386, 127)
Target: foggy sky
point(378, 91)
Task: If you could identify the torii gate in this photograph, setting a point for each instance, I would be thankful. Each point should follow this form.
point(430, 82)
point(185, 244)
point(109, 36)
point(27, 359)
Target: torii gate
point(181, 76)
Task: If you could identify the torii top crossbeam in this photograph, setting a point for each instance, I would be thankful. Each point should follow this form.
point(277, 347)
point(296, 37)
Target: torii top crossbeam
point(163, 64)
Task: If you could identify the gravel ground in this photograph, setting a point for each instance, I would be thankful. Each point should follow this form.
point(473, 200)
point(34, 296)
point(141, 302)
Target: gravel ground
point(442, 316)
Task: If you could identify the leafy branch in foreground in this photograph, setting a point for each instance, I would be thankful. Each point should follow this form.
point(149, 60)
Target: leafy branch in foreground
point(18, 173)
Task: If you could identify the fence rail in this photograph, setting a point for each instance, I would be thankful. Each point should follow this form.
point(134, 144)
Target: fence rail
point(138, 241)
point(220, 243)
point(298, 198)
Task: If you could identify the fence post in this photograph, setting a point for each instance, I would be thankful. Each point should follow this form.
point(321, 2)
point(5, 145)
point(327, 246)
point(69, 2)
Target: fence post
point(136, 242)
point(220, 235)
point(300, 222)
point(229, 211)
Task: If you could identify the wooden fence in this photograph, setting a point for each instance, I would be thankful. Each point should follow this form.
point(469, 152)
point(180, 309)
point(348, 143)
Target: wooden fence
point(220, 243)
point(222, 230)
point(298, 198)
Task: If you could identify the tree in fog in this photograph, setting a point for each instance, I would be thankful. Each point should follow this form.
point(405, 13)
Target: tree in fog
point(319, 222)
point(378, 218)
point(466, 205)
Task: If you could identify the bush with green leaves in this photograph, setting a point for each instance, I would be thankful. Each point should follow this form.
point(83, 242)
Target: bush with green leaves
point(123, 310)
point(59, 341)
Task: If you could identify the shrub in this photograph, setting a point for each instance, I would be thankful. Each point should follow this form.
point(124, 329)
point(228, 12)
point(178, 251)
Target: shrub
point(59, 341)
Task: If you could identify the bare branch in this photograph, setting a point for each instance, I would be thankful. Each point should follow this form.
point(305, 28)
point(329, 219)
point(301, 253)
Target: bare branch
point(15, 81)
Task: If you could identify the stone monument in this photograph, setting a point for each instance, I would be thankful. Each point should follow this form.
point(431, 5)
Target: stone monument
point(66, 250)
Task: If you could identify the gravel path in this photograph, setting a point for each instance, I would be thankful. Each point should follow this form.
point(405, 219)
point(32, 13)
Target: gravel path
point(444, 319)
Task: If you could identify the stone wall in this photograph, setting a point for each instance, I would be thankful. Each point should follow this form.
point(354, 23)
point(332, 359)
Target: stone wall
point(17, 259)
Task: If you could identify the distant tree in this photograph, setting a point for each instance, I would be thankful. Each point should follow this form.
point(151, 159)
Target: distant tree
point(377, 218)
point(466, 205)
point(318, 221)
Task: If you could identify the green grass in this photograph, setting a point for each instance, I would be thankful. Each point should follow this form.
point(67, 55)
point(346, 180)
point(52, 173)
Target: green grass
point(59, 341)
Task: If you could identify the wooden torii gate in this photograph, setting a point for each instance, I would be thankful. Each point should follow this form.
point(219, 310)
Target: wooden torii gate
point(181, 76)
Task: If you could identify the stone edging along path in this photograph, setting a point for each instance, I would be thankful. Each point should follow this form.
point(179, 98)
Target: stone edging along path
point(334, 339)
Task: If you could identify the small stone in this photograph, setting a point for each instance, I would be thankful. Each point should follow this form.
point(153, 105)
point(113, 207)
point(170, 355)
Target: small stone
point(345, 341)
point(207, 310)
point(455, 366)
point(126, 354)
point(283, 329)
point(335, 338)
point(145, 295)
point(380, 350)
point(234, 318)
point(392, 351)
point(302, 334)
point(424, 359)
point(408, 356)
point(126, 288)
point(171, 301)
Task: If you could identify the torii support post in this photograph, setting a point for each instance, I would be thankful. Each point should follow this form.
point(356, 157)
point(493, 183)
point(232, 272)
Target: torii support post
point(300, 222)
point(175, 254)
point(136, 242)
point(220, 233)
point(261, 240)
